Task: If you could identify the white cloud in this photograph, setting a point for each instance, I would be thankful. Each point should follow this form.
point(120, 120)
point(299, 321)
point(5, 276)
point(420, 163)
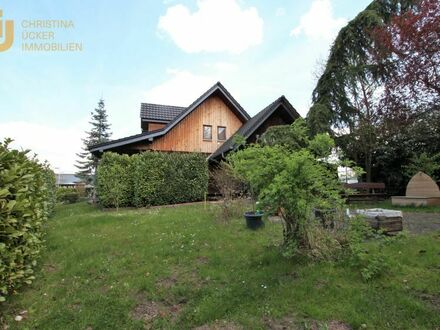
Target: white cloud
point(181, 89)
point(319, 22)
point(57, 145)
point(216, 26)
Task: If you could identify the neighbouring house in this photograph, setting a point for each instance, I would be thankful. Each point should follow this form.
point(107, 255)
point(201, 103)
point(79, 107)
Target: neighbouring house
point(206, 126)
point(67, 180)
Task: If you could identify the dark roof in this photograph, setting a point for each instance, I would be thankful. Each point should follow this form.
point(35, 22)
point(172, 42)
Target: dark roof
point(66, 179)
point(160, 112)
point(254, 123)
point(217, 89)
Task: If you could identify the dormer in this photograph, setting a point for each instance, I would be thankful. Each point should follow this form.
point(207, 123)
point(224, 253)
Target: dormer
point(157, 116)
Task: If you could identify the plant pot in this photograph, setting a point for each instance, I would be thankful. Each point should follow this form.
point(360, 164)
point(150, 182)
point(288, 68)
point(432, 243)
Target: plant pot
point(254, 220)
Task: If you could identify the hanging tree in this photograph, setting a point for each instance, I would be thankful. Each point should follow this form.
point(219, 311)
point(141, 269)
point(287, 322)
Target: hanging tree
point(346, 97)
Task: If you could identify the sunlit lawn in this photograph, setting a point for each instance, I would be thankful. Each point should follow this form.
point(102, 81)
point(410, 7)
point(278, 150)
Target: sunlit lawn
point(179, 268)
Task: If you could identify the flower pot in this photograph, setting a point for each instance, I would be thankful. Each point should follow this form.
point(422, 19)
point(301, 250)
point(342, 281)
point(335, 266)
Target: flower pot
point(254, 220)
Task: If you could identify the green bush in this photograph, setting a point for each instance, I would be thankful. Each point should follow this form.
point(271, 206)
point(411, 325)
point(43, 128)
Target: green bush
point(50, 183)
point(67, 195)
point(169, 178)
point(151, 178)
point(26, 201)
point(114, 180)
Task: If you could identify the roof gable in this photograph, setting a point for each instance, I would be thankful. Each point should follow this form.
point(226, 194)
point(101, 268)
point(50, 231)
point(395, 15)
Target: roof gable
point(217, 89)
point(255, 122)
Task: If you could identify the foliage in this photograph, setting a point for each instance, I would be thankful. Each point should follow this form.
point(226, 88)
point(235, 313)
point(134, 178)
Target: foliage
point(295, 137)
point(229, 186)
point(403, 147)
point(67, 195)
point(151, 178)
point(115, 180)
point(371, 264)
point(179, 258)
point(379, 92)
point(319, 119)
point(350, 62)
point(50, 184)
point(289, 179)
point(408, 47)
point(100, 132)
point(26, 201)
point(424, 163)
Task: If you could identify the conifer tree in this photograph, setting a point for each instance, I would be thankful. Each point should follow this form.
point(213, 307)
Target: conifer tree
point(100, 132)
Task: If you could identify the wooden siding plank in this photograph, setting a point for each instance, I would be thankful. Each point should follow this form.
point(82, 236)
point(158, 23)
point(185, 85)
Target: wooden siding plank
point(187, 136)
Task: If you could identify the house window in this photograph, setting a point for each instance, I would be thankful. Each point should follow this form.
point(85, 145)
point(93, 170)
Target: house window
point(221, 133)
point(207, 132)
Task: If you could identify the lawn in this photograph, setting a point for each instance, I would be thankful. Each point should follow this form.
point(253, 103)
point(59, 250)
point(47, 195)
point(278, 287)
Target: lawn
point(178, 268)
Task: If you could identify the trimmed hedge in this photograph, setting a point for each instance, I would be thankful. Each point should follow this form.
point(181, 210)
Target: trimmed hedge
point(114, 180)
point(151, 178)
point(67, 195)
point(27, 190)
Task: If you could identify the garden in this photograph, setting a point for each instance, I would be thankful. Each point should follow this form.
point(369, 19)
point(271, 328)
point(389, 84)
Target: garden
point(177, 267)
point(162, 241)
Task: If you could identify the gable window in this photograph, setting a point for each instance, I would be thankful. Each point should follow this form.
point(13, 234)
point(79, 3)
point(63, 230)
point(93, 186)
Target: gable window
point(207, 132)
point(221, 133)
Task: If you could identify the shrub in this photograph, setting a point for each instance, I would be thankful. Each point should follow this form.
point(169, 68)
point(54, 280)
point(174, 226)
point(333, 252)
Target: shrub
point(26, 200)
point(67, 195)
point(151, 178)
point(169, 178)
point(50, 184)
point(290, 178)
point(229, 186)
point(114, 180)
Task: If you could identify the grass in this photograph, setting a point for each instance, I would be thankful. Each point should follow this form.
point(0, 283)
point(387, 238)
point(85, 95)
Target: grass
point(176, 268)
point(386, 204)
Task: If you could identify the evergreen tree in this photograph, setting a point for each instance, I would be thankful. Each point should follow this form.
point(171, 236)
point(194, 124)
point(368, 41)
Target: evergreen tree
point(346, 99)
point(100, 132)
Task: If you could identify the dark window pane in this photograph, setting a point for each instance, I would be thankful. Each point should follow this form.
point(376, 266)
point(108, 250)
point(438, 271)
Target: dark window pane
point(221, 133)
point(207, 132)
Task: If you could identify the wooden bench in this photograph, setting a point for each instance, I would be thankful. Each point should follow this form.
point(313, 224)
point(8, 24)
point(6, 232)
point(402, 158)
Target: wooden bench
point(365, 191)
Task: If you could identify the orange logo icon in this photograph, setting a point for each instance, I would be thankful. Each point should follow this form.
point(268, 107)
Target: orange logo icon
point(8, 37)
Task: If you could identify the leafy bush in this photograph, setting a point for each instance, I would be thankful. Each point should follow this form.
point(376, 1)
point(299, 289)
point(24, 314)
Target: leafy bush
point(370, 260)
point(67, 195)
point(26, 201)
point(229, 186)
point(151, 178)
point(290, 178)
point(50, 184)
point(114, 180)
point(169, 178)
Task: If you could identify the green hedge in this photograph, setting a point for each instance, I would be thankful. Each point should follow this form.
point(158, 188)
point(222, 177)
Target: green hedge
point(27, 190)
point(67, 195)
point(151, 178)
point(114, 180)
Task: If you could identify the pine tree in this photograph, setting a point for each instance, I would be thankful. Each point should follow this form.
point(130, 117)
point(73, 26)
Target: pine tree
point(100, 132)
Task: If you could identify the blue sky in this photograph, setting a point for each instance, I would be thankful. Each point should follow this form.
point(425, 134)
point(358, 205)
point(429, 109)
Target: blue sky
point(157, 51)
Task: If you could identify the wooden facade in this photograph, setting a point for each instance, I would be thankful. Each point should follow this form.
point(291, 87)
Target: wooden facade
point(187, 135)
point(216, 113)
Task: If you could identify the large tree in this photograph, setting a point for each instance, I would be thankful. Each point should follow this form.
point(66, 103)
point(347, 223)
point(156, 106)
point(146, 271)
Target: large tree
point(346, 100)
point(99, 132)
point(409, 49)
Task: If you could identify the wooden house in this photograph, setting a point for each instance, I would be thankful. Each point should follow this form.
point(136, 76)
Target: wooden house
point(206, 126)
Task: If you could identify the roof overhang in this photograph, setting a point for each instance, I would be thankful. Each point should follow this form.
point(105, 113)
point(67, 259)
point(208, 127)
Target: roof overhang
point(218, 89)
